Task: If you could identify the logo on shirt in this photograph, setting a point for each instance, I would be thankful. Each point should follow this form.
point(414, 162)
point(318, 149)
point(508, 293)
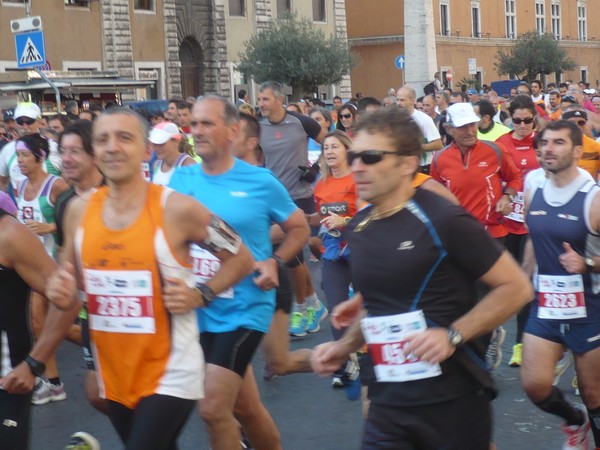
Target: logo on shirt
point(523, 162)
point(538, 213)
point(567, 216)
point(240, 194)
point(406, 245)
point(483, 164)
point(111, 246)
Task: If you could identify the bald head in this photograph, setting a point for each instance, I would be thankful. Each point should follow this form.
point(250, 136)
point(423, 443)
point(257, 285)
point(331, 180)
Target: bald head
point(405, 98)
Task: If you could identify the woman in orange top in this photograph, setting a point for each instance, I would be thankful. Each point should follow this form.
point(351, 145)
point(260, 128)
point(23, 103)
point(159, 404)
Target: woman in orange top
point(336, 198)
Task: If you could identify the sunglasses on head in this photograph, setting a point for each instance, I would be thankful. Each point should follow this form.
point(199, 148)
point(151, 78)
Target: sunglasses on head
point(568, 98)
point(527, 121)
point(345, 116)
point(25, 121)
point(368, 156)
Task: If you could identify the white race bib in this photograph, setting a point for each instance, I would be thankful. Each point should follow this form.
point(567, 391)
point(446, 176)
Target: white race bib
point(561, 297)
point(204, 267)
point(386, 337)
point(120, 301)
point(517, 203)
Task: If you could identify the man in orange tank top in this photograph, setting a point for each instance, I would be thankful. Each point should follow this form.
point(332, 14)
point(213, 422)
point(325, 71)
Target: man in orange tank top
point(131, 244)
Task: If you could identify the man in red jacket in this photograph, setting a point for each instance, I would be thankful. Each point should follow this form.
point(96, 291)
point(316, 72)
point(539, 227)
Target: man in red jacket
point(483, 176)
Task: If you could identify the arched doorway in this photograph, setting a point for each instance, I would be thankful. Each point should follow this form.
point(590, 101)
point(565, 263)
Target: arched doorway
point(192, 67)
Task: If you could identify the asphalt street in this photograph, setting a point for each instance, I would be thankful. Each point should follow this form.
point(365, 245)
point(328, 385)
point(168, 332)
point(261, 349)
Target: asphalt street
point(308, 412)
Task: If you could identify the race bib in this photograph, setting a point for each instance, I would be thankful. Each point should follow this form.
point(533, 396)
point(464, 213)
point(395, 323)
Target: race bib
point(29, 213)
point(561, 297)
point(146, 171)
point(386, 338)
point(517, 203)
point(204, 267)
point(120, 301)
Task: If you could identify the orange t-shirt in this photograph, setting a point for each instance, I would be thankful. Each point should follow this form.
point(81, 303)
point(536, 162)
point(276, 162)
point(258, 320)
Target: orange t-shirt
point(336, 195)
point(590, 158)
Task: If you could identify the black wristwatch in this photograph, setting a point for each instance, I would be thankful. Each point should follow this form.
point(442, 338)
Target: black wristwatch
point(590, 264)
point(280, 261)
point(37, 367)
point(455, 338)
point(207, 293)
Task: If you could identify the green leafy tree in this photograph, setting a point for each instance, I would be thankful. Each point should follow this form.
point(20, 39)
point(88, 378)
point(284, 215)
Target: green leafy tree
point(533, 55)
point(294, 51)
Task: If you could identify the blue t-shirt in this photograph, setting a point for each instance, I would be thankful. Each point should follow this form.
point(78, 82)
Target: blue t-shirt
point(249, 199)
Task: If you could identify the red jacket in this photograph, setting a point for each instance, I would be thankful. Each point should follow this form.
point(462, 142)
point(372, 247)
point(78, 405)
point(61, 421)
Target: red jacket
point(477, 179)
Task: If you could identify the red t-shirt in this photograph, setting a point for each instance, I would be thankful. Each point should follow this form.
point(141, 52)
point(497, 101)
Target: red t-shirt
point(523, 155)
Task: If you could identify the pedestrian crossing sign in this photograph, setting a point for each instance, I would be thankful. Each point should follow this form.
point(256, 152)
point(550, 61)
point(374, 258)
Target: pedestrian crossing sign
point(30, 49)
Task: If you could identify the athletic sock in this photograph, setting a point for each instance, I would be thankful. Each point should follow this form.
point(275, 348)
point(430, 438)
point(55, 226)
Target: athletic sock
point(55, 381)
point(300, 307)
point(594, 415)
point(313, 301)
point(556, 404)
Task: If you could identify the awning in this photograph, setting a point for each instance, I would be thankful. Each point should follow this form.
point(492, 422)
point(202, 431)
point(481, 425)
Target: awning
point(78, 85)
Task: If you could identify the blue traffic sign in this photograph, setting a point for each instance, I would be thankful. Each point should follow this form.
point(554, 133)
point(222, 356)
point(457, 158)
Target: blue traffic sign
point(30, 49)
point(399, 62)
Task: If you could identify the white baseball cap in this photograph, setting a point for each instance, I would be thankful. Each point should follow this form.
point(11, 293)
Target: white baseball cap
point(461, 114)
point(164, 132)
point(28, 109)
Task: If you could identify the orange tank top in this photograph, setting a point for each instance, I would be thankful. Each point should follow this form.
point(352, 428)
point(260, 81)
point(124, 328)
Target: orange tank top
point(134, 338)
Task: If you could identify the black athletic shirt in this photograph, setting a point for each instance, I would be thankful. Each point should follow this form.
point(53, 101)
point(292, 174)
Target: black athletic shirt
point(16, 337)
point(392, 257)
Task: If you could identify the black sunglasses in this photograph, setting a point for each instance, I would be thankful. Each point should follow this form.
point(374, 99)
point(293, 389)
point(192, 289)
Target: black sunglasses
point(568, 98)
point(345, 116)
point(368, 156)
point(581, 123)
point(25, 121)
point(527, 121)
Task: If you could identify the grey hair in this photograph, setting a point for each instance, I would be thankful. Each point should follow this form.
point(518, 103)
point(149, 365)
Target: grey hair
point(123, 111)
point(324, 112)
point(275, 87)
point(230, 112)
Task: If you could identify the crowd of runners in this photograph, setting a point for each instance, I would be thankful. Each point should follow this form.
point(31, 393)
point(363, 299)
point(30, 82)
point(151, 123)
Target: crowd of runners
point(172, 247)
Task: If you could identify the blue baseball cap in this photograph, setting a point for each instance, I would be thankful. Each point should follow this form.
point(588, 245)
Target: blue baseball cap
point(472, 91)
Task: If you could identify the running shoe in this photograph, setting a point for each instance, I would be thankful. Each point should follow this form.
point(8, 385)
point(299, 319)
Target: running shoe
point(494, 350)
point(577, 435)
point(562, 366)
point(46, 392)
point(82, 441)
point(517, 356)
point(298, 324)
point(315, 316)
point(337, 382)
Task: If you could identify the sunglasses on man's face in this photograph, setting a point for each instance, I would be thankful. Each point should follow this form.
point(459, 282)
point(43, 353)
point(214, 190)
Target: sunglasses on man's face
point(368, 157)
point(25, 121)
point(527, 121)
point(345, 116)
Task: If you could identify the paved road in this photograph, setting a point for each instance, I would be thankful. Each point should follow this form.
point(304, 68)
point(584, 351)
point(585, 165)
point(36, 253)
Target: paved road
point(309, 414)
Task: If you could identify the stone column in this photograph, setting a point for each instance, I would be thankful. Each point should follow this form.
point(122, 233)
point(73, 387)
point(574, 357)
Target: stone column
point(419, 44)
point(172, 64)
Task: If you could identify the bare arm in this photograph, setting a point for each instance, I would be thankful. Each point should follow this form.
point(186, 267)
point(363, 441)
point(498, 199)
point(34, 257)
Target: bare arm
point(4, 183)
point(433, 145)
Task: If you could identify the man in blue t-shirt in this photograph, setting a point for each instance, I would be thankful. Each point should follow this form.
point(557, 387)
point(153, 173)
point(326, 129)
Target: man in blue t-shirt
point(250, 199)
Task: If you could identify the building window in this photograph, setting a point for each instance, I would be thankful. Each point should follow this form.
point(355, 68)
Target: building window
point(555, 18)
point(444, 18)
point(84, 3)
point(13, 1)
point(147, 5)
point(284, 7)
point(584, 74)
point(237, 8)
point(540, 17)
point(475, 20)
point(511, 19)
point(319, 11)
point(581, 21)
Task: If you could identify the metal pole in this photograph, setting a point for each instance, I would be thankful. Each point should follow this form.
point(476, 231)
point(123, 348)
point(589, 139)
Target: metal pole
point(27, 8)
point(53, 86)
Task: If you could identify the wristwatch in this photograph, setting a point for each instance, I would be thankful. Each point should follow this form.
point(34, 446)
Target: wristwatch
point(590, 264)
point(37, 367)
point(454, 337)
point(206, 292)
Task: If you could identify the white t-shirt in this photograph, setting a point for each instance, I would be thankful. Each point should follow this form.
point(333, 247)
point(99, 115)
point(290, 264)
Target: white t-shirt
point(430, 132)
point(536, 178)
